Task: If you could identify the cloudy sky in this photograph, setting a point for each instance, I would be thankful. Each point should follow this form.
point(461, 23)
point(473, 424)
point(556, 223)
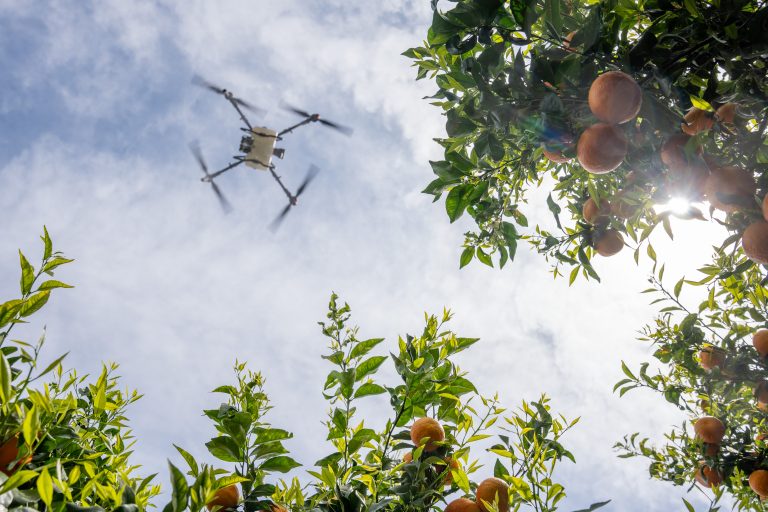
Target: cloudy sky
point(96, 112)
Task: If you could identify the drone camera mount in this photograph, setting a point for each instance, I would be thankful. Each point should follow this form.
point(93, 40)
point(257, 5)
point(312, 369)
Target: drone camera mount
point(279, 153)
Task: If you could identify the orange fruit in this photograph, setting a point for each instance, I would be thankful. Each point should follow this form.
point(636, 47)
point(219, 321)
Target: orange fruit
point(710, 450)
point(758, 482)
point(697, 120)
point(615, 97)
point(591, 212)
point(274, 507)
point(9, 454)
point(490, 490)
point(450, 464)
point(567, 41)
point(709, 429)
point(427, 427)
point(726, 113)
point(754, 241)
point(704, 405)
point(601, 148)
point(226, 498)
point(673, 153)
point(711, 357)
point(707, 476)
point(730, 188)
point(760, 342)
point(462, 505)
point(761, 394)
point(765, 207)
point(408, 457)
point(609, 243)
point(555, 156)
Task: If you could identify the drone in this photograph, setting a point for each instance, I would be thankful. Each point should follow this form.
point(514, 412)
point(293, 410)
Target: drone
point(258, 148)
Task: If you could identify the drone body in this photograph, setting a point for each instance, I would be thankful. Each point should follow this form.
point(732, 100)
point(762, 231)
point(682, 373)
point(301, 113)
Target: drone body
point(258, 148)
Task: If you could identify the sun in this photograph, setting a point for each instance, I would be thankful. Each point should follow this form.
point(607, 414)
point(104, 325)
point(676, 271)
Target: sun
point(676, 206)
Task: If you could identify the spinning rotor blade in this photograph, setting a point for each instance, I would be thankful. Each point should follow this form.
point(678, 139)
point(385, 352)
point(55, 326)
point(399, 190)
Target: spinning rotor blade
point(296, 111)
point(311, 173)
point(194, 147)
point(201, 82)
point(222, 200)
point(279, 219)
point(346, 130)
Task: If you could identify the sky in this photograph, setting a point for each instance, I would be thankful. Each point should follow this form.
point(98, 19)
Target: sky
point(96, 112)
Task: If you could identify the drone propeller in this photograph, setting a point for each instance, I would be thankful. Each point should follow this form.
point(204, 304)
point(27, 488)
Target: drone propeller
point(311, 173)
point(194, 147)
point(341, 128)
point(201, 82)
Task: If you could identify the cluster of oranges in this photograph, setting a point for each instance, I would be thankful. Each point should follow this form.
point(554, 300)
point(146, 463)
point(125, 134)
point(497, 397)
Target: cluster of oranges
point(614, 99)
point(711, 430)
point(491, 495)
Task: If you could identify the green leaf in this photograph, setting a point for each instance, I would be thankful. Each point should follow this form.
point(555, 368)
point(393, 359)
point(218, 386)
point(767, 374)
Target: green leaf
point(368, 366)
point(594, 506)
point(34, 303)
point(455, 202)
point(47, 244)
point(27, 274)
point(363, 347)
point(466, 256)
point(282, 463)
point(191, 462)
point(483, 257)
point(31, 424)
point(5, 379)
point(51, 284)
point(55, 262)
point(224, 448)
point(180, 489)
point(555, 209)
point(45, 487)
point(53, 365)
point(369, 388)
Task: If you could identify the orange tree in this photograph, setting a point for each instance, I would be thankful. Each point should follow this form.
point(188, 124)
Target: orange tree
point(64, 443)
point(612, 106)
point(425, 456)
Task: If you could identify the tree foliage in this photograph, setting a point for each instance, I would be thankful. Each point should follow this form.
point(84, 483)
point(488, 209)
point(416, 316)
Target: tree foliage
point(513, 79)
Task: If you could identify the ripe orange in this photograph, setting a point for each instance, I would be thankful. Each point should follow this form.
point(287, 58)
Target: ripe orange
point(758, 481)
point(673, 153)
point(765, 207)
point(697, 120)
point(226, 498)
point(754, 241)
point(591, 212)
point(710, 450)
point(490, 490)
point(711, 357)
point(726, 113)
point(462, 505)
point(601, 148)
point(761, 394)
point(450, 464)
point(609, 243)
point(760, 342)
point(274, 507)
point(708, 477)
point(555, 156)
point(408, 457)
point(709, 429)
point(9, 453)
point(730, 188)
point(567, 41)
point(427, 427)
point(615, 97)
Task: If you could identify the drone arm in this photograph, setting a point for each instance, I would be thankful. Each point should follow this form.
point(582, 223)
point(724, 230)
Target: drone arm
point(242, 116)
point(291, 198)
point(291, 128)
point(227, 168)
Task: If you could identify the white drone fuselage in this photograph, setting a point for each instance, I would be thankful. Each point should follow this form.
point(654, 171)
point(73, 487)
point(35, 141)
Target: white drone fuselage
point(260, 155)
